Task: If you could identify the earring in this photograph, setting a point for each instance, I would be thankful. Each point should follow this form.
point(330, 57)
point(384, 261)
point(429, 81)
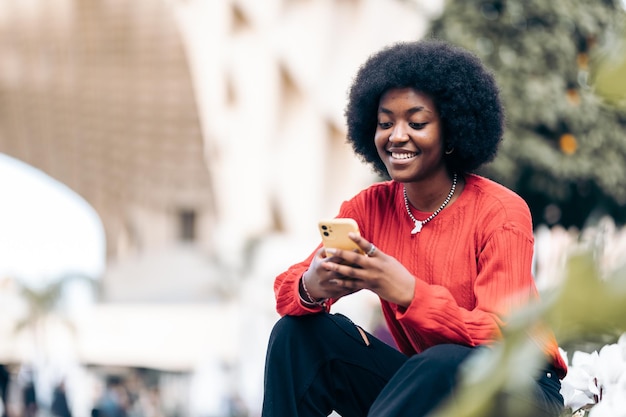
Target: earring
point(448, 151)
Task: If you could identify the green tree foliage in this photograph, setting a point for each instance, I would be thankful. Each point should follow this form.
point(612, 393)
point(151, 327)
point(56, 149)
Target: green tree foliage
point(565, 146)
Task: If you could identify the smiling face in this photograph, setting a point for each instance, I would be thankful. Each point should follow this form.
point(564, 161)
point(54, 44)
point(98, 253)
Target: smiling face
point(408, 135)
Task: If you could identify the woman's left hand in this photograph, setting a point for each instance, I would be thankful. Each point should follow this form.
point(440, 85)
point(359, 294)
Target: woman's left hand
point(381, 273)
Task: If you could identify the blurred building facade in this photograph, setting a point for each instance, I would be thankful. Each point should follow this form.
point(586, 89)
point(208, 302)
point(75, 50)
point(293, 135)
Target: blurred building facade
point(209, 137)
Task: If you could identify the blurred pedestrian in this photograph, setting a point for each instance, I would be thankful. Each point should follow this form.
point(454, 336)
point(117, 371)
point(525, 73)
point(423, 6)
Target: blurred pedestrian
point(114, 399)
point(5, 379)
point(29, 396)
point(60, 407)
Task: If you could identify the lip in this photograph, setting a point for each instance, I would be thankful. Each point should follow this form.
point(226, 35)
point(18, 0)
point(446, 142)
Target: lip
point(401, 156)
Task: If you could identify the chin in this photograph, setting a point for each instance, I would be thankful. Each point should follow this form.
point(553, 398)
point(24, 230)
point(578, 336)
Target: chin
point(400, 177)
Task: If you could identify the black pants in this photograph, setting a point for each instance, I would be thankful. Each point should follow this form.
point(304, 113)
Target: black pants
point(319, 363)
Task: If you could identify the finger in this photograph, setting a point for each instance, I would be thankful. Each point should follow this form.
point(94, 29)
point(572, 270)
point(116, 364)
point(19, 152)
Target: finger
point(348, 284)
point(321, 253)
point(334, 258)
point(344, 271)
point(365, 245)
point(339, 256)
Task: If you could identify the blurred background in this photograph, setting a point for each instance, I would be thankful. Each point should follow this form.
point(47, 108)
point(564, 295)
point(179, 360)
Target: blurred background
point(161, 161)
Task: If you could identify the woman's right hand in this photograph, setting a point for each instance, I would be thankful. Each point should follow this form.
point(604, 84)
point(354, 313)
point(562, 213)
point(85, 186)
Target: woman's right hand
point(320, 282)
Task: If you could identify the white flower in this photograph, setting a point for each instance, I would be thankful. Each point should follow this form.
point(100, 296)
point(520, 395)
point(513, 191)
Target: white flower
point(611, 365)
point(597, 379)
point(614, 402)
point(579, 387)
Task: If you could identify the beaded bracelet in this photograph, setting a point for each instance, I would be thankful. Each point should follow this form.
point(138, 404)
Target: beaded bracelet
point(311, 301)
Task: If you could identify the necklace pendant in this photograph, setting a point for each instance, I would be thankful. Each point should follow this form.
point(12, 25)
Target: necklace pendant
point(417, 228)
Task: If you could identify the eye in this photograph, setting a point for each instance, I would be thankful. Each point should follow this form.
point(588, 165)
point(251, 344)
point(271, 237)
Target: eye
point(417, 126)
point(384, 125)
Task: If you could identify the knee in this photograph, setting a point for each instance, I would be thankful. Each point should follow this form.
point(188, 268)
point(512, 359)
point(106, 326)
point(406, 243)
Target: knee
point(290, 329)
point(444, 360)
point(295, 324)
point(448, 352)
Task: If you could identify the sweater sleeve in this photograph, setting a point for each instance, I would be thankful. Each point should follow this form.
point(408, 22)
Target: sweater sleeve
point(504, 281)
point(286, 284)
point(286, 291)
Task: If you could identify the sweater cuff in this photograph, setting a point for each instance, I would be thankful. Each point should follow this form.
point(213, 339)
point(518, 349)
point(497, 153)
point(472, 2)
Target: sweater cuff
point(302, 303)
point(404, 312)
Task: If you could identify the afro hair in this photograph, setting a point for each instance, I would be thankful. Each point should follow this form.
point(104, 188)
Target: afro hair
point(464, 91)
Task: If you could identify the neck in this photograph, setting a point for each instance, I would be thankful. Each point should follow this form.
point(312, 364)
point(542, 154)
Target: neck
point(428, 195)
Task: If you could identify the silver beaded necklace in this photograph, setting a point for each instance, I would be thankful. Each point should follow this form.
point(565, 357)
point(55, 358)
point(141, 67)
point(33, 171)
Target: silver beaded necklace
point(419, 224)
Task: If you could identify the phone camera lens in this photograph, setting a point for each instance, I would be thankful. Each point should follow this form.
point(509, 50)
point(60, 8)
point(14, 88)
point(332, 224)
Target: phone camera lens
point(324, 227)
point(326, 234)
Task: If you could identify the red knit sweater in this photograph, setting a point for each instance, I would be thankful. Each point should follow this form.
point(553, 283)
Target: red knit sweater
point(472, 264)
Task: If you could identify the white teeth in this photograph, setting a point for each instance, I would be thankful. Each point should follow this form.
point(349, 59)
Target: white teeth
point(402, 155)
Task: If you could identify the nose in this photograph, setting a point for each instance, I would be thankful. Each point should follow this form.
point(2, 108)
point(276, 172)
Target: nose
point(399, 134)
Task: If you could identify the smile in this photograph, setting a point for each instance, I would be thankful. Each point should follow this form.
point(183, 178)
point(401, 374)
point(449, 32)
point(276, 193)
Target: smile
point(397, 155)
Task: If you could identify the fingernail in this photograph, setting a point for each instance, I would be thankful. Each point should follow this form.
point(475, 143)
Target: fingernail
point(331, 251)
point(332, 281)
point(352, 235)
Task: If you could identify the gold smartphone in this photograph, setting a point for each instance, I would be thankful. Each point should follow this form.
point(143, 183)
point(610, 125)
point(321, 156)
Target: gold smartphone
point(334, 233)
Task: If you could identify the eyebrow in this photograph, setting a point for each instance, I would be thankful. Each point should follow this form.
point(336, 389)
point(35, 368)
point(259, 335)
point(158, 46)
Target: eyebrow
point(412, 110)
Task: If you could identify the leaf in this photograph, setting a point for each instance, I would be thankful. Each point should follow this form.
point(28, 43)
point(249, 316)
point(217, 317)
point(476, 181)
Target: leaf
point(583, 306)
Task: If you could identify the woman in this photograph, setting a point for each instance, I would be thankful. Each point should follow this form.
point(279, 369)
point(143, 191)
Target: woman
point(448, 252)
